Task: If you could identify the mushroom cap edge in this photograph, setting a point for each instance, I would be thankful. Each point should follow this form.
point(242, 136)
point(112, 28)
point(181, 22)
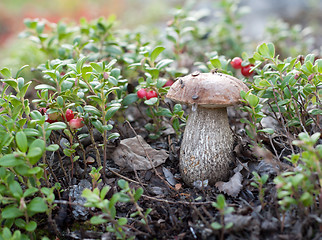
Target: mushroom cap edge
point(209, 90)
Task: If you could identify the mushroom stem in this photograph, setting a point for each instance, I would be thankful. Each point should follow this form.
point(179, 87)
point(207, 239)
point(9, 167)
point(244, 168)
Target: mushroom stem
point(206, 149)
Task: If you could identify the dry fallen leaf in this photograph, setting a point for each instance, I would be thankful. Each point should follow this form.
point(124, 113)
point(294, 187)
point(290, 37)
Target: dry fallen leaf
point(131, 154)
point(233, 186)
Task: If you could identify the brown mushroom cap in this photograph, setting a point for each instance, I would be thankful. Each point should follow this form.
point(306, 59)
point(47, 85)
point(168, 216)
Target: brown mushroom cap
point(209, 90)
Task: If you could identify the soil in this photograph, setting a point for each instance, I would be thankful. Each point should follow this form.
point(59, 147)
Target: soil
point(178, 211)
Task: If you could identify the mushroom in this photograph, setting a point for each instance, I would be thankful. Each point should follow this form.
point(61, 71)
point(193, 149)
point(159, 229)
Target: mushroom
point(207, 147)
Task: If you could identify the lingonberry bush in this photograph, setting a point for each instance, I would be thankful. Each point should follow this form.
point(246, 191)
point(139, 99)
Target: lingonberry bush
point(95, 73)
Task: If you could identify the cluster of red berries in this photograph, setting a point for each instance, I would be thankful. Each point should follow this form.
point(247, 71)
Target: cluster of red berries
point(236, 63)
point(143, 93)
point(69, 117)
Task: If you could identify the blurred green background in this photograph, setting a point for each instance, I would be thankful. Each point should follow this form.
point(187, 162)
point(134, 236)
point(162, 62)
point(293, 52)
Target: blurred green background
point(276, 17)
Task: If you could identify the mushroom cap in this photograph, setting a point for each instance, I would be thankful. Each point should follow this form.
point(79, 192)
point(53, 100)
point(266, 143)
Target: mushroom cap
point(209, 90)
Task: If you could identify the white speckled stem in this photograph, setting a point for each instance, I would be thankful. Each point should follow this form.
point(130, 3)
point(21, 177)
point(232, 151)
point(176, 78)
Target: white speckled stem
point(206, 149)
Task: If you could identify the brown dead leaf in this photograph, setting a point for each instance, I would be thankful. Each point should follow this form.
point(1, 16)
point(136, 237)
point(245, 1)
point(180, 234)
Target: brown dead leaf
point(233, 186)
point(131, 154)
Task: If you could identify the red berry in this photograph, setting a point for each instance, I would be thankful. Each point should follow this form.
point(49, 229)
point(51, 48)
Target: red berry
point(151, 94)
point(42, 110)
point(246, 70)
point(69, 115)
point(51, 121)
point(141, 93)
point(76, 123)
point(236, 62)
point(168, 83)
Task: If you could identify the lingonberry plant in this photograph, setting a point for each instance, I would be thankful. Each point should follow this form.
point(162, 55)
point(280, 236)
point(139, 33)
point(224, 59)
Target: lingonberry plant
point(153, 89)
point(95, 74)
point(301, 187)
point(223, 209)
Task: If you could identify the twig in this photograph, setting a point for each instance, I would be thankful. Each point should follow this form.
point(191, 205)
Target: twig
point(127, 179)
point(176, 202)
point(201, 217)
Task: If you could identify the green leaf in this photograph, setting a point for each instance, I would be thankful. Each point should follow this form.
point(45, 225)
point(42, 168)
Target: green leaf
point(161, 82)
point(56, 126)
point(138, 194)
point(111, 63)
point(20, 223)
point(60, 101)
point(163, 63)
point(36, 150)
point(108, 127)
point(306, 199)
point(156, 52)
point(52, 147)
point(80, 64)
point(31, 226)
point(221, 201)
point(271, 50)
point(37, 205)
point(97, 67)
point(177, 108)
point(267, 130)
point(123, 184)
point(151, 101)
point(98, 125)
point(113, 136)
point(5, 72)
point(10, 160)
point(23, 90)
point(11, 82)
point(113, 200)
point(309, 58)
point(252, 99)
point(216, 63)
point(16, 189)
point(164, 112)
point(40, 27)
point(30, 191)
point(90, 196)
point(45, 86)
point(316, 112)
point(20, 70)
point(36, 115)
point(34, 153)
point(21, 140)
point(11, 212)
point(129, 99)
point(104, 191)
point(229, 225)
point(122, 221)
point(95, 220)
point(93, 110)
point(254, 184)
point(111, 111)
point(318, 63)
point(264, 51)
point(51, 73)
point(216, 226)
point(115, 73)
point(30, 23)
